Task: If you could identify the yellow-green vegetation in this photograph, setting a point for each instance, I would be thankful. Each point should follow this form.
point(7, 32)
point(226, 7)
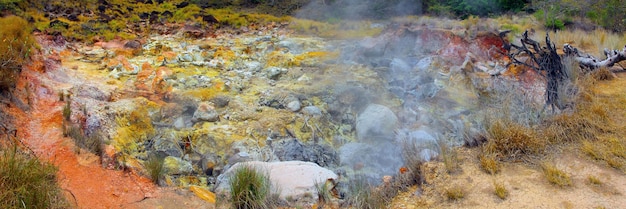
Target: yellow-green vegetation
point(16, 44)
point(133, 128)
point(250, 188)
point(341, 30)
point(500, 190)
point(455, 193)
point(450, 157)
point(27, 182)
point(555, 175)
point(594, 180)
point(229, 17)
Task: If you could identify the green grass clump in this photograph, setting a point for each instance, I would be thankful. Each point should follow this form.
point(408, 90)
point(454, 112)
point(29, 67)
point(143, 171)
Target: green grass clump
point(555, 175)
point(154, 167)
point(249, 188)
point(26, 182)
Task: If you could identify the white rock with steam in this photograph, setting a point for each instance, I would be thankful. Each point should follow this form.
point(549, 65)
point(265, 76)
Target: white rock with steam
point(295, 180)
point(376, 122)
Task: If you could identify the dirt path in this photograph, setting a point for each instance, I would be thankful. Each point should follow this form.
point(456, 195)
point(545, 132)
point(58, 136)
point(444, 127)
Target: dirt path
point(86, 182)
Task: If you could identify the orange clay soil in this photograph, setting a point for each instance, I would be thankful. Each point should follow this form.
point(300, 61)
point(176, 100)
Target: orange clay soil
point(86, 183)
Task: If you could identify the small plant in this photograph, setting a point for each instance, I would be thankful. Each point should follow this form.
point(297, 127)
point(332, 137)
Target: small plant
point(362, 195)
point(27, 182)
point(555, 175)
point(92, 143)
point(455, 193)
point(249, 188)
point(67, 111)
point(323, 192)
point(450, 157)
point(594, 180)
point(500, 190)
point(154, 167)
point(489, 163)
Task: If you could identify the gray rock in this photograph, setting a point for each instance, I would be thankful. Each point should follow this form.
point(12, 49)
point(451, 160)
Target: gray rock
point(293, 180)
point(312, 111)
point(186, 57)
point(376, 123)
point(372, 160)
point(292, 149)
point(274, 73)
point(92, 92)
point(182, 122)
point(176, 165)
point(294, 106)
point(205, 112)
point(168, 144)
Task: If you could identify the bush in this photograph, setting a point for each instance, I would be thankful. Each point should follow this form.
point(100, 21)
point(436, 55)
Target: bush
point(28, 183)
point(15, 48)
point(249, 188)
point(555, 175)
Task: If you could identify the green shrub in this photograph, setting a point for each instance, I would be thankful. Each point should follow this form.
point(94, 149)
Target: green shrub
point(26, 182)
point(249, 188)
point(15, 47)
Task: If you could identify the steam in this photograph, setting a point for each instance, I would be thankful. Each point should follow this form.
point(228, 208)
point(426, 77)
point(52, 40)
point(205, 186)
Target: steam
point(359, 9)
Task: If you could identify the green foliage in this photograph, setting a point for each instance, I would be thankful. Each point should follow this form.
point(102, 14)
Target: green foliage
point(466, 8)
point(28, 183)
point(9, 5)
point(154, 167)
point(16, 43)
point(249, 188)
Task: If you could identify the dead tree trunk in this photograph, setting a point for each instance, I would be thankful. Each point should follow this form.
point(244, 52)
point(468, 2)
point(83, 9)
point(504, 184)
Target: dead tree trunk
point(588, 62)
point(546, 61)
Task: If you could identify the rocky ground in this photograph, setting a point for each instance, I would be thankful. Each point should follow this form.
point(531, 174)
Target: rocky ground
point(204, 104)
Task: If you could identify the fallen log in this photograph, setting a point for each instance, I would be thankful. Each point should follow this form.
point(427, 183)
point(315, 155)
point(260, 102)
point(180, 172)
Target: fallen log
point(589, 62)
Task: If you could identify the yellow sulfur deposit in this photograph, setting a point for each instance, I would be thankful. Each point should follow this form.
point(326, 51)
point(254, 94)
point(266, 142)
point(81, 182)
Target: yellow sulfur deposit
point(203, 193)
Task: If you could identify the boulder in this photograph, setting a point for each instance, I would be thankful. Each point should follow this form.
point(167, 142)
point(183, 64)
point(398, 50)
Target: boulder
point(175, 165)
point(376, 123)
point(292, 180)
point(205, 112)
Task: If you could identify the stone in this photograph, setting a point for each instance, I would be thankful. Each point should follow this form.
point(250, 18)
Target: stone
point(92, 92)
point(274, 73)
point(292, 149)
point(182, 122)
point(133, 44)
point(293, 180)
point(312, 111)
point(175, 165)
point(205, 112)
point(186, 57)
point(168, 144)
point(372, 161)
point(294, 106)
point(376, 122)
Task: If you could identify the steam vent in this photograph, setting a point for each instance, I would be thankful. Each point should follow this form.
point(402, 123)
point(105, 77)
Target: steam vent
point(324, 104)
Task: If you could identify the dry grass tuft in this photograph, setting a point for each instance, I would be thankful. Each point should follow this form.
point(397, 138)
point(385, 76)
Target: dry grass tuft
point(555, 175)
point(512, 141)
point(594, 180)
point(455, 193)
point(500, 190)
point(489, 163)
